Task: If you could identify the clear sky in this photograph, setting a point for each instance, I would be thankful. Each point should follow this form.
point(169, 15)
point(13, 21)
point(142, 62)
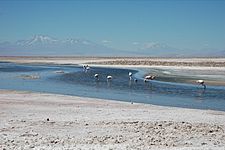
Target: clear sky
point(183, 24)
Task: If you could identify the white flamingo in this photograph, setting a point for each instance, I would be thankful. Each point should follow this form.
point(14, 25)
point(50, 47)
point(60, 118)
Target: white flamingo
point(130, 74)
point(202, 83)
point(109, 78)
point(96, 76)
point(149, 77)
point(86, 67)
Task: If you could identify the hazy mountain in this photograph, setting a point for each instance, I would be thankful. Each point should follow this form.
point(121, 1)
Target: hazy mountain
point(162, 50)
point(158, 50)
point(45, 45)
point(37, 40)
point(210, 53)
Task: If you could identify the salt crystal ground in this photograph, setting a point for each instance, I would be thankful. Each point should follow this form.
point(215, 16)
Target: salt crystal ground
point(84, 123)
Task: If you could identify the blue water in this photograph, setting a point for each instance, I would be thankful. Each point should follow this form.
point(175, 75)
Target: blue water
point(77, 82)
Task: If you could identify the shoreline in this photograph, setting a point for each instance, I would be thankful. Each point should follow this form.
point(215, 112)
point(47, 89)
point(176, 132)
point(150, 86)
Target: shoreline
point(124, 62)
point(103, 124)
point(134, 61)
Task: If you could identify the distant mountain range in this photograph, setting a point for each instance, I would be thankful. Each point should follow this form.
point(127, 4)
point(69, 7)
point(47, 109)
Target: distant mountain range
point(44, 45)
point(41, 45)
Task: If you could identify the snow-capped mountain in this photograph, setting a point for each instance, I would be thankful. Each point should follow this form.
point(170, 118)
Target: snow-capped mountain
point(46, 45)
point(37, 39)
point(44, 40)
point(43, 45)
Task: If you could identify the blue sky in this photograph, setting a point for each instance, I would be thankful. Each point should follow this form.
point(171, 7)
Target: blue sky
point(121, 24)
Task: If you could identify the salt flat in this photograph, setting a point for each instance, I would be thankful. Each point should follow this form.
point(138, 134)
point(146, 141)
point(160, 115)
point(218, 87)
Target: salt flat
point(117, 60)
point(85, 123)
point(50, 121)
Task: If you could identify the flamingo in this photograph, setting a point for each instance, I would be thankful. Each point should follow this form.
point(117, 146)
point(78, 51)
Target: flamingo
point(109, 78)
point(86, 67)
point(149, 77)
point(130, 74)
point(96, 76)
point(202, 83)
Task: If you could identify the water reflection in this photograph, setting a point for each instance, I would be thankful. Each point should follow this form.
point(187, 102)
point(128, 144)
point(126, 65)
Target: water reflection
point(200, 94)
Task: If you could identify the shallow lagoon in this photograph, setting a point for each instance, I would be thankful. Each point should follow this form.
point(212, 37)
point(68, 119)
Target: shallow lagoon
point(76, 81)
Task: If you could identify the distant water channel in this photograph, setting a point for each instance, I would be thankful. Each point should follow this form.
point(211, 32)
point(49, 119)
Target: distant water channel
point(73, 80)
